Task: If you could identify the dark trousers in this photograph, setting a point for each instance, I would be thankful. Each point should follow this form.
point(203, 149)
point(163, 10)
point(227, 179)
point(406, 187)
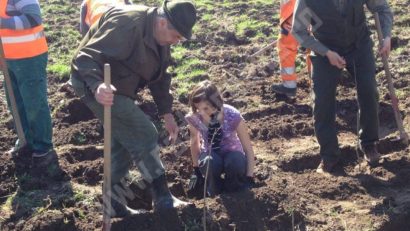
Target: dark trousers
point(361, 65)
point(134, 136)
point(29, 82)
point(233, 164)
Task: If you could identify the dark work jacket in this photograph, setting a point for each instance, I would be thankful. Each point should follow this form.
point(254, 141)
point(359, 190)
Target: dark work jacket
point(123, 37)
point(339, 31)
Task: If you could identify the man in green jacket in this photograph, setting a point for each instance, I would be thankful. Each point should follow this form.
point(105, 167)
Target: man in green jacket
point(135, 41)
point(341, 39)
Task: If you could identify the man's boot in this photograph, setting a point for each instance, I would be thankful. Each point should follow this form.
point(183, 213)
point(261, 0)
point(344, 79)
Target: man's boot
point(162, 198)
point(370, 153)
point(119, 204)
point(282, 90)
point(327, 166)
point(122, 210)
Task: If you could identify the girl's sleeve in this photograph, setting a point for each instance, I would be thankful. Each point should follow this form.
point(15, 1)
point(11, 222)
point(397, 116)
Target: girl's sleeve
point(236, 118)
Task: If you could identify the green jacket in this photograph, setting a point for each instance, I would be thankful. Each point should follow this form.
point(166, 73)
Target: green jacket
point(124, 39)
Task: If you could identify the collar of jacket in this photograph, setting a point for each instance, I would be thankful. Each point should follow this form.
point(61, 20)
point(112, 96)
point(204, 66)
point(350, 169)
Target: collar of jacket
point(149, 39)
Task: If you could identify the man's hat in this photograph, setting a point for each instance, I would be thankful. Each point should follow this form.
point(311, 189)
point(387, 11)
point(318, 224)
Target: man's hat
point(182, 15)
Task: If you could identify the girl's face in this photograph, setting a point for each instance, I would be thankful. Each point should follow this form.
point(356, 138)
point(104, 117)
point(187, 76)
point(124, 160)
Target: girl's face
point(205, 108)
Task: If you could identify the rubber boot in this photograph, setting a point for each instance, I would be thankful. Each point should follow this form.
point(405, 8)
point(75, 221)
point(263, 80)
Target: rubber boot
point(370, 153)
point(162, 198)
point(120, 208)
point(282, 90)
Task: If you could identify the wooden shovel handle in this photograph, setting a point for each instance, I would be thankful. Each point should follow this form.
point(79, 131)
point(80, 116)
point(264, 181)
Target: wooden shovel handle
point(394, 101)
point(107, 156)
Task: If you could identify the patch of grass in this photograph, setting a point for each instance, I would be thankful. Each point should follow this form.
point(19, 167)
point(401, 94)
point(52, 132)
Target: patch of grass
point(178, 52)
point(206, 4)
point(62, 71)
point(63, 38)
point(81, 214)
point(207, 17)
point(244, 23)
point(80, 137)
point(24, 201)
point(263, 2)
point(7, 207)
point(188, 70)
point(83, 197)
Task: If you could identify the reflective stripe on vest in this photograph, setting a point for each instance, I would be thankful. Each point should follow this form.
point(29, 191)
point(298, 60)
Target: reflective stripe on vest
point(19, 44)
point(22, 39)
point(286, 10)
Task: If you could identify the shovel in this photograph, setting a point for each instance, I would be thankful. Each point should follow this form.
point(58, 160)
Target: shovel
point(272, 44)
point(394, 101)
point(107, 156)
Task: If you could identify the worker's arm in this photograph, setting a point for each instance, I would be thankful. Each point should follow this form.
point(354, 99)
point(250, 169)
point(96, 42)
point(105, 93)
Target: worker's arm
point(302, 18)
point(386, 22)
point(83, 13)
point(385, 14)
point(26, 16)
point(113, 40)
point(160, 91)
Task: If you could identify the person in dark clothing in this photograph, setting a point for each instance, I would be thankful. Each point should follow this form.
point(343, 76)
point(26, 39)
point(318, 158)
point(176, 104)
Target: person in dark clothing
point(341, 39)
point(135, 41)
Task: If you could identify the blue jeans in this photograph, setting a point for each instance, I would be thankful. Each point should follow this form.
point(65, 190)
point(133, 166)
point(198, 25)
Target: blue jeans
point(29, 82)
point(233, 164)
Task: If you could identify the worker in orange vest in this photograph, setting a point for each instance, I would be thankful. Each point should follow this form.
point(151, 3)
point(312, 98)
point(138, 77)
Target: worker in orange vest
point(92, 10)
point(287, 49)
point(26, 55)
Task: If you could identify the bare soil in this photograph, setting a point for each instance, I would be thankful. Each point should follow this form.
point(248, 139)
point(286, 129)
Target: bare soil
point(289, 194)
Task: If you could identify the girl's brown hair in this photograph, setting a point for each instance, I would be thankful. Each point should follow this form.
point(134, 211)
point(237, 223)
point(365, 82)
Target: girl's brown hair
point(205, 90)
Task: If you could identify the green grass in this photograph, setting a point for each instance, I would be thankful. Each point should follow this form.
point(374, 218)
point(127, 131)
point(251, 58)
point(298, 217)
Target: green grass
point(244, 23)
point(62, 71)
point(63, 38)
point(24, 201)
point(188, 69)
point(83, 197)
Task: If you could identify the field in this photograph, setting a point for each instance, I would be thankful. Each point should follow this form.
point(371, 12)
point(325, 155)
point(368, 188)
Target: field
point(289, 194)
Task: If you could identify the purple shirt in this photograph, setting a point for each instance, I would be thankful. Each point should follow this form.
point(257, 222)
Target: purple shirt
point(230, 140)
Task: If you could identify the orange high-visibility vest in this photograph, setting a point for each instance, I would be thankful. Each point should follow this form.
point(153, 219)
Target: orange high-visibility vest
point(286, 10)
point(96, 8)
point(19, 44)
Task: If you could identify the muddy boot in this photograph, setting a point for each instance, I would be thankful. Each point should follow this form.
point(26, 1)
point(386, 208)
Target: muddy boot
point(370, 153)
point(162, 198)
point(327, 166)
point(46, 165)
point(282, 90)
point(119, 202)
point(121, 210)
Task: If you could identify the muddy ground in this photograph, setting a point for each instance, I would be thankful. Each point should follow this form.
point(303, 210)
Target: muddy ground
point(288, 195)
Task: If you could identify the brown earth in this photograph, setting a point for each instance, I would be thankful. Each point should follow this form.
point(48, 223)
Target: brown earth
point(289, 194)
